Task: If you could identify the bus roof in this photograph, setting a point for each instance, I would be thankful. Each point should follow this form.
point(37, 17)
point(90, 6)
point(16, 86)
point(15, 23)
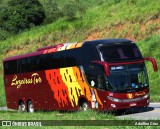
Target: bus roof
point(108, 41)
point(45, 50)
point(66, 46)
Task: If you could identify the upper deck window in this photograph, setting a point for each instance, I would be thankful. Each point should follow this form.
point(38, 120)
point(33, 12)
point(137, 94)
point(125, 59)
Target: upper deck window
point(120, 52)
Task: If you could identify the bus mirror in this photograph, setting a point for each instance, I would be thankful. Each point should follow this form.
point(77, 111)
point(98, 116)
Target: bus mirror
point(154, 63)
point(105, 66)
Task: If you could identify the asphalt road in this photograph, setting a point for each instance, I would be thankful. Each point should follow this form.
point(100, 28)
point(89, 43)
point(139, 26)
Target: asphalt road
point(3, 109)
point(146, 113)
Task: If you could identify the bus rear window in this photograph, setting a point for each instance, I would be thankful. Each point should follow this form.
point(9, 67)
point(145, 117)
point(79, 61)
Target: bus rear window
point(120, 52)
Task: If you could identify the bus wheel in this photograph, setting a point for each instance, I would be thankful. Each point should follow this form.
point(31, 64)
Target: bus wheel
point(30, 107)
point(84, 106)
point(21, 107)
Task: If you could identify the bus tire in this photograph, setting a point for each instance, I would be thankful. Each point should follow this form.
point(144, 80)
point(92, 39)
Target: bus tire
point(84, 106)
point(30, 107)
point(21, 107)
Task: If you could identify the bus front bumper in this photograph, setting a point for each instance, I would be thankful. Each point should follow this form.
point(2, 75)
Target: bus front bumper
point(126, 104)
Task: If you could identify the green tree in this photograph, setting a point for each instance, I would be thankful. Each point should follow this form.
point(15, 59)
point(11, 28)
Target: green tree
point(70, 10)
point(52, 11)
point(3, 33)
point(22, 14)
point(2, 16)
point(82, 7)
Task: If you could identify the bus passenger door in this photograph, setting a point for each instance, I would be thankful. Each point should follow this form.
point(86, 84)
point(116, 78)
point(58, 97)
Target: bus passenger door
point(96, 79)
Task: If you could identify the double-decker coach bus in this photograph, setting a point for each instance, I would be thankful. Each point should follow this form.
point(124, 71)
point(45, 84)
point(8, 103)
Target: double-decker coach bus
point(107, 75)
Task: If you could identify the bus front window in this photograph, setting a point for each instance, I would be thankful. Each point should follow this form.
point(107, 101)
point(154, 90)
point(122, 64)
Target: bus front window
point(130, 78)
point(118, 81)
point(119, 52)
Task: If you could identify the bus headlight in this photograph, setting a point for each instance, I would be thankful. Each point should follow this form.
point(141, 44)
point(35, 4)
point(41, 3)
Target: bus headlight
point(146, 96)
point(113, 99)
point(127, 100)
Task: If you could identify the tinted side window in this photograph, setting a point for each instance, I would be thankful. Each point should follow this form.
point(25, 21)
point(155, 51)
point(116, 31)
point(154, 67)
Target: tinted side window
point(32, 64)
point(72, 57)
point(22, 66)
point(66, 58)
point(28, 64)
point(89, 54)
point(10, 67)
point(44, 62)
point(57, 60)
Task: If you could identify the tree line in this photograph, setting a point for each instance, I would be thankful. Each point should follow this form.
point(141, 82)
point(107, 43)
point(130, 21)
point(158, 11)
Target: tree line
point(20, 15)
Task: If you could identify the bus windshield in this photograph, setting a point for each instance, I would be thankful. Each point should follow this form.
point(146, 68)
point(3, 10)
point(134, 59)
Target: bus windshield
point(127, 78)
point(120, 52)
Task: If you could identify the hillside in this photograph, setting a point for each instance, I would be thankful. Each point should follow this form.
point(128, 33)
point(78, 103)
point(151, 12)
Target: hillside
point(136, 20)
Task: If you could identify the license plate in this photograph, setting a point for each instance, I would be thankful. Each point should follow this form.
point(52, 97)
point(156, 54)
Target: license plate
point(132, 104)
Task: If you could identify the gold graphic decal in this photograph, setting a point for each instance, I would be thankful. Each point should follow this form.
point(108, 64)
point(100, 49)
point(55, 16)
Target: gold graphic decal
point(130, 96)
point(140, 94)
point(35, 79)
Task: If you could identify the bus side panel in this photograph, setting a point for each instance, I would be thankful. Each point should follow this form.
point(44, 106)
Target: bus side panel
point(57, 89)
point(65, 86)
point(28, 86)
point(69, 85)
point(12, 94)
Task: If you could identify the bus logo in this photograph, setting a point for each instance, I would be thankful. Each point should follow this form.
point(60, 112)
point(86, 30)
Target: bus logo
point(130, 96)
point(140, 94)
